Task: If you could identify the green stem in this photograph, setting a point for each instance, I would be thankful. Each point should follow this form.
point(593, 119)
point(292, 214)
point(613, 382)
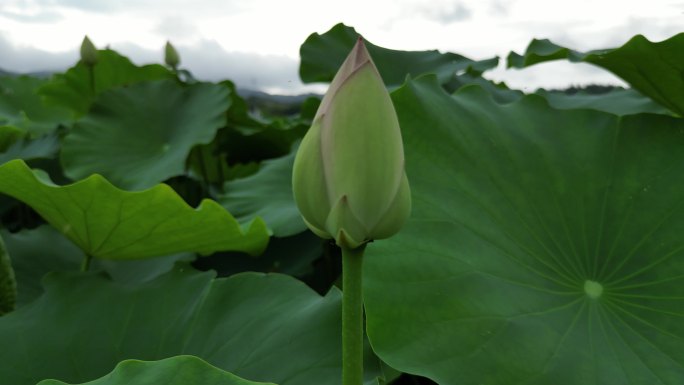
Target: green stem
point(352, 316)
point(85, 265)
point(91, 75)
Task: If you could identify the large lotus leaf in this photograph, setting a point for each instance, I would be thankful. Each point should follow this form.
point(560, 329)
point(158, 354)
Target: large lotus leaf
point(42, 147)
point(210, 162)
point(207, 162)
point(179, 370)
point(262, 327)
point(543, 50)
point(73, 89)
point(239, 115)
point(40, 153)
point(141, 270)
point(141, 135)
point(654, 69)
point(266, 194)
point(250, 137)
point(618, 101)
point(270, 142)
point(31, 258)
point(499, 91)
point(106, 222)
point(31, 261)
point(545, 246)
point(22, 107)
point(9, 135)
point(293, 256)
point(322, 55)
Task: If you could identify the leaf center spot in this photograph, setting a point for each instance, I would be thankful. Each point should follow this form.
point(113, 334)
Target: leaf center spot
point(593, 289)
point(166, 147)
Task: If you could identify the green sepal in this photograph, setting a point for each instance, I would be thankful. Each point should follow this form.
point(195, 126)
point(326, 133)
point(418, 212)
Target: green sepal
point(308, 181)
point(345, 225)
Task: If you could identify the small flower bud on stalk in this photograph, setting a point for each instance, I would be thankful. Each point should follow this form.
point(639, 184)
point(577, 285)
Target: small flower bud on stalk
point(171, 57)
point(349, 180)
point(88, 52)
point(350, 185)
point(89, 58)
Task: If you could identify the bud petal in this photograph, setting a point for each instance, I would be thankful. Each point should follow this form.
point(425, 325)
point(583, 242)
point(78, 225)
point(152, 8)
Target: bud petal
point(349, 180)
point(308, 182)
point(397, 214)
point(88, 52)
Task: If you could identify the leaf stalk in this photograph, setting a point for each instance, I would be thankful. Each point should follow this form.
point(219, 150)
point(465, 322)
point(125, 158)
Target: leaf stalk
point(85, 265)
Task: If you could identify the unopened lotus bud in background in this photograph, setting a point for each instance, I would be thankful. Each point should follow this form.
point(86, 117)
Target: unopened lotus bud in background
point(349, 180)
point(88, 52)
point(171, 56)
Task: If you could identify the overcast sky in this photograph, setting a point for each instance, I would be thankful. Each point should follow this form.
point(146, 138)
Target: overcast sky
point(256, 42)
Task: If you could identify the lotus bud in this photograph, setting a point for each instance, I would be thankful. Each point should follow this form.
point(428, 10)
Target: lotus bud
point(348, 179)
point(88, 52)
point(171, 56)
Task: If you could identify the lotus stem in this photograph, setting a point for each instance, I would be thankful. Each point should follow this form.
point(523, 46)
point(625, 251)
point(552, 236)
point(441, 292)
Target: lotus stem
point(91, 75)
point(352, 316)
point(85, 265)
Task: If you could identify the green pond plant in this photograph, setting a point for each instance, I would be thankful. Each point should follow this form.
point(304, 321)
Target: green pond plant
point(350, 185)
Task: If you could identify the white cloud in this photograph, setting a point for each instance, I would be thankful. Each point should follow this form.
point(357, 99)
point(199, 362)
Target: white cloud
point(207, 60)
point(130, 6)
point(24, 59)
point(177, 29)
point(31, 16)
point(445, 13)
point(258, 41)
point(553, 75)
point(498, 8)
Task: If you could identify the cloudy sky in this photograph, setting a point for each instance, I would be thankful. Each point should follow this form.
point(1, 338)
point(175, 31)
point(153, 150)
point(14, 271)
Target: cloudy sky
point(256, 42)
